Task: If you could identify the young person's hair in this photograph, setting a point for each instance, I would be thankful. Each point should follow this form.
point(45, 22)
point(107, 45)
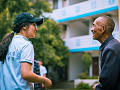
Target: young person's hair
point(4, 44)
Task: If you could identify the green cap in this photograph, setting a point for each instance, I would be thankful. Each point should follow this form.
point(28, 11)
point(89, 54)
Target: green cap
point(27, 17)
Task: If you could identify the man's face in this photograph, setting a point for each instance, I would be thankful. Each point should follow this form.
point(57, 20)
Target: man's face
point(97, 29)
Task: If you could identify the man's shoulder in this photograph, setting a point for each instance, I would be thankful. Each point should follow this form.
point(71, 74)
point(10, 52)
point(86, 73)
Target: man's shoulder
point(114, 44)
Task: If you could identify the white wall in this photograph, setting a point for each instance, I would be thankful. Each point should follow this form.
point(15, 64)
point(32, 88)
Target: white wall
point(78, 28)
point(95, 53)
point(115, 18)
point(68, 32)
point(60, 2)
point(90, 26)
point(75, 66)
point(75, 1)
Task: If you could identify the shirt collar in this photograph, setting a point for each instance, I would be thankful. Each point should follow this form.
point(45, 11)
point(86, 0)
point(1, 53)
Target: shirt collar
point(105, 42)
point(20, 36)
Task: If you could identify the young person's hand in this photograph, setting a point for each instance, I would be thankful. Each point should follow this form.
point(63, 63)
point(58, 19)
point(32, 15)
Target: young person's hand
point(48, 83)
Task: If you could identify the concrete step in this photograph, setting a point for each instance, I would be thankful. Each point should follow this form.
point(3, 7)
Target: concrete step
point(61, 85)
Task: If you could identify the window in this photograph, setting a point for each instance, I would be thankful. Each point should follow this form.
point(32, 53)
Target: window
point(64, 3)
point(55, 4)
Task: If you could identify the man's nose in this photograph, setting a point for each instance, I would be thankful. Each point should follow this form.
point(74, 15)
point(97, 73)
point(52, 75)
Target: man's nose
point(91, 29)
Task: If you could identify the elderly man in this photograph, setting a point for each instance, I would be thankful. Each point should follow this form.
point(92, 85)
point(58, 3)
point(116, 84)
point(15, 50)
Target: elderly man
point(109, 77)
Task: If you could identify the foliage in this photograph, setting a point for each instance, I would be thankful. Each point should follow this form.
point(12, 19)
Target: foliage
point(83, 86)
point(86, 59)
point(41, 7)
point(93, 77)
point(84, 76)
point(48, 44)
point(8, 10)
point(4, 22)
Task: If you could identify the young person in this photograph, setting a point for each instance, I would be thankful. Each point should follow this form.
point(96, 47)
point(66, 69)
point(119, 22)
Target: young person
point(17, 55)
point(43, 70)
point(37, 86)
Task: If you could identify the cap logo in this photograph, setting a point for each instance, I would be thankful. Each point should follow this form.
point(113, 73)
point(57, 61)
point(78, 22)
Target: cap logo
point(31, 15)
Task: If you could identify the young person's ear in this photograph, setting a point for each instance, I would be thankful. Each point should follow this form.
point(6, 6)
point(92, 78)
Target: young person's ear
point(25, 27)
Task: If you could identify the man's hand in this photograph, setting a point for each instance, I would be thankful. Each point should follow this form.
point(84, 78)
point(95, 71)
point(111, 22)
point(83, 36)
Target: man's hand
point(94, 86)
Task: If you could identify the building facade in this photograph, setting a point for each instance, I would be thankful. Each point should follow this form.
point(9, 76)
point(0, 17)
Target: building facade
point(76, 17)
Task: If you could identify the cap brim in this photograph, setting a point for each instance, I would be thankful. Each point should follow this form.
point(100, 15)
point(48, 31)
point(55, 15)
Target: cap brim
point(38, 21)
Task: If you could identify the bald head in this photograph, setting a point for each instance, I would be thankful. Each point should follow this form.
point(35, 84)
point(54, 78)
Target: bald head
point(107, 22)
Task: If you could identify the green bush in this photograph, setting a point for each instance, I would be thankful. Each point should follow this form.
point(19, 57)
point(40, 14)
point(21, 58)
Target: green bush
point(82, 76)
point(87, 61)
point(85, 76)
point(93, 77)
point(83, 86)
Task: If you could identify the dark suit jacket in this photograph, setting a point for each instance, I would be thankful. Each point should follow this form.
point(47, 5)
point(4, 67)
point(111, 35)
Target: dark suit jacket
point(110, 65)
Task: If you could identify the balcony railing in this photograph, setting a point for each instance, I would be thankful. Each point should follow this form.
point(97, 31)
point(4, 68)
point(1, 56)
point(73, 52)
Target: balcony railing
point(84, 9)
point(85, 43)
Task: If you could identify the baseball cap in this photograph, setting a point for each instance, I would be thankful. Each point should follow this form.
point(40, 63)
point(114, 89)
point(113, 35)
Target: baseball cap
point(27, 17)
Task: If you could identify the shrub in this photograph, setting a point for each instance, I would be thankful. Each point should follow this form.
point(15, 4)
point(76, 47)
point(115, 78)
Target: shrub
point(93, 77)
point(83, 86)
point(85, 76)
point(87, 61)
point(82, 76)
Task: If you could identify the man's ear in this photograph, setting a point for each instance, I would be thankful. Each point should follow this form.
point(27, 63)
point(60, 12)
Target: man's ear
point(103, 28)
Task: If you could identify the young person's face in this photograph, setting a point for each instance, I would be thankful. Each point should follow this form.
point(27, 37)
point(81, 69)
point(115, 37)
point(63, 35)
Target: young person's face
point(30, 32)
point(40, 63)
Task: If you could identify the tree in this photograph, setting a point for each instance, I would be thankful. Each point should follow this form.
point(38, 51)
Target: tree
point(41, 6)
point(49, 46)
point(8, 10)
point(86, 59)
